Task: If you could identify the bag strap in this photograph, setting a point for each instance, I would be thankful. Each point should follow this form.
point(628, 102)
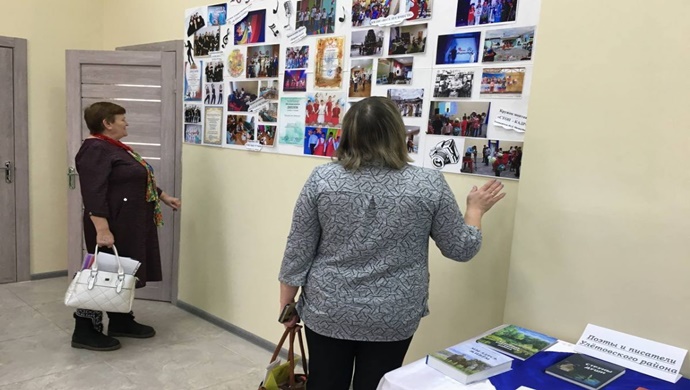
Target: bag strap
point(291, 332)
point(94, 267)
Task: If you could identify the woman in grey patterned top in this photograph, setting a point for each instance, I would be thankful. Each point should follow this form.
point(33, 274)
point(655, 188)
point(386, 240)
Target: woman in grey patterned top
point(358, 248)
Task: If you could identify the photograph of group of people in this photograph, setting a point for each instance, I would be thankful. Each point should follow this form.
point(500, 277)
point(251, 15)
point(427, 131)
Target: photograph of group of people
point(206, 41)
point(213, 93)
point(409, 101)
point(195, 21)
point(492, 158)
point(192, 134)
point(217, 14)
point(240, 129)
point(251, 29)
point(266, 134)
point(394, 70)
point(192, 113)
point(242, 94)
point(458, 48)
point(477, 12)
point(465, 119)
point(507, 82)
point(360, 78)
point(317, 16)
point(365, 43)
point(213, 71)
point(407, 39)
point(321, 141)
point(268, 89)
point(297, 57)
point(263, 61)
point(421, 9)
point(269, 113)
point(364, 11)
point(512, 44)
point(453, 83)
point(295, 80)
point(324, 109)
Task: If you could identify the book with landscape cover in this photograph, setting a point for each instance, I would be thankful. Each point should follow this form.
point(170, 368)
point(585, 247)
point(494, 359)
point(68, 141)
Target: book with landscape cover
point(586, 371)
point(469, 362)
point(517, 342)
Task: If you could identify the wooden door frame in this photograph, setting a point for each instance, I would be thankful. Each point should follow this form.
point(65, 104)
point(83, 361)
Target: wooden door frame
point(21, 154)
point(176, 46)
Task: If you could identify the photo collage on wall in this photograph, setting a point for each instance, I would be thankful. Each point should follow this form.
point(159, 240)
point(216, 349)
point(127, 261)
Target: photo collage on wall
point(281, 78)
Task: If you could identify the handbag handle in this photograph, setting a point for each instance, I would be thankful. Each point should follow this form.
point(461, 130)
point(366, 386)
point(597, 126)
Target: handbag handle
point(297, 329)
point(94, 267)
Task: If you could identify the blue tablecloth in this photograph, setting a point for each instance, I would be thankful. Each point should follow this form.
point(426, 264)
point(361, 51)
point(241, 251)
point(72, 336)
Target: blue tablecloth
point(530, 373)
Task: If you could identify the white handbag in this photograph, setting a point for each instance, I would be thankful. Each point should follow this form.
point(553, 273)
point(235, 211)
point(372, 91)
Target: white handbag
point(102, 290)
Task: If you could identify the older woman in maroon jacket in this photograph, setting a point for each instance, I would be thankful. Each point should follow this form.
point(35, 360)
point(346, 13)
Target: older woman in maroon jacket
point(122, 207)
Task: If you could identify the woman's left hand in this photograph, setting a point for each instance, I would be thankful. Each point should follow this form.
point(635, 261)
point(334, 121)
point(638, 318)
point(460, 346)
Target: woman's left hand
point(172, 202)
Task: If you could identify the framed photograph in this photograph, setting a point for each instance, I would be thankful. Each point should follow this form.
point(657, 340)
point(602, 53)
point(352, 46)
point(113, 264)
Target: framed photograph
point(241, 95)
point(458, 49)
point(317, 16)
point(251, 29)
point(360, 78)
point(473, 13)
point(407, 39)
point(465, 119)
point(453, 83)
point(367, 43)
point(295, 80)
point(409, 101)
point(263, 61)
point(396, 70)
point(502, 82)
point(508, 45)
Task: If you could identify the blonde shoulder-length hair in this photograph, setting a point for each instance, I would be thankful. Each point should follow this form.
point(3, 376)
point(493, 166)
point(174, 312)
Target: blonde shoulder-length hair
point(373, 133)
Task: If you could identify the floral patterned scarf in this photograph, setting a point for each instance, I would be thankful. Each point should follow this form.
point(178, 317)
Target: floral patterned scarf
point(151, 189)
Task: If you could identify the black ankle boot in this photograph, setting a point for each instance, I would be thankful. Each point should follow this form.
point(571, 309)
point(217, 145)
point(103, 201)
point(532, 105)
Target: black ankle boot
point(123, 325)
point(86, 336)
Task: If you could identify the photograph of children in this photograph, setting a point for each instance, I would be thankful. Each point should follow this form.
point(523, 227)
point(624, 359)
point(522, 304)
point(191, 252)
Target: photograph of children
point(366, 43)
point(217, 14)
point(317, 16)
point(297, 57)
point(268, 89)
point(453, 83)
point(364, 11)
point(213, 71)
point(492, 158)
point(409, 101)
point(324, 109)
point(266, 134)
point(394, 71)
point(295, 80)
point(242, 94)
point(206, 40)
point(412, 138)
point(213, 93)
point(192, 113)
point(262, 61)
point(329, 63)
point(321, 141)
point(407, 39)
point(240, 129)
point(458, 48)
point(269, 113)
point(192, 134)
point(251, 29)
point(421, 9)
point(511, 44)
point(192, 82)
point(475, 12)
point(466, 119)
point(506, 82)
point(360, 78)
point(195, 21)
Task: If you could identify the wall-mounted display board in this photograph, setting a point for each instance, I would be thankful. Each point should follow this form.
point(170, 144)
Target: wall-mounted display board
point(277, 76)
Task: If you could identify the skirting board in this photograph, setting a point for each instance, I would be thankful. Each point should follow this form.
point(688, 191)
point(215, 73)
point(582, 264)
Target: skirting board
point(251, 337)
point(49, 275)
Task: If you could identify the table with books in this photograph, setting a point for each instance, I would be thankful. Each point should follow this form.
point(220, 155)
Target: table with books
point(556, 367)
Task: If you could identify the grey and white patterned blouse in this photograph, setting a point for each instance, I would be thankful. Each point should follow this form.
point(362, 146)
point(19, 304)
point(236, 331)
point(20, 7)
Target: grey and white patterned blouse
point(359, 247)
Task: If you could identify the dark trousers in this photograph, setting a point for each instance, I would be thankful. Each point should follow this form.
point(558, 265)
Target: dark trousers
point(331, 361)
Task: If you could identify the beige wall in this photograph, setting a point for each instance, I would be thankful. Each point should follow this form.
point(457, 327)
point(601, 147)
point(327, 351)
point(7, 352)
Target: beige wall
point(50, 30)
point(603, 224)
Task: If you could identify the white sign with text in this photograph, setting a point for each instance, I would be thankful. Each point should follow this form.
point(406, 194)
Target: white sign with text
point(511, 120)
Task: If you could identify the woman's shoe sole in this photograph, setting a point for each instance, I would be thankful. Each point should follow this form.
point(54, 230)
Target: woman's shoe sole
point(90, 348)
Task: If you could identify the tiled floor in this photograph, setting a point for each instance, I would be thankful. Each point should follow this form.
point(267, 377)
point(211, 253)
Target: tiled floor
point(186, 353)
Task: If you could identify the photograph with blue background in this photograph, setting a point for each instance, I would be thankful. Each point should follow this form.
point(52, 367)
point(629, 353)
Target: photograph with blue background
point(458, 48)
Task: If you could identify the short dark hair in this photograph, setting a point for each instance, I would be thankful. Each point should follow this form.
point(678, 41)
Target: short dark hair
point(373, 132)
point(95, 114)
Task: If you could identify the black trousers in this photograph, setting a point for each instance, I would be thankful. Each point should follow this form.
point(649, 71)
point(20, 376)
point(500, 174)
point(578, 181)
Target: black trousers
point(331, 361)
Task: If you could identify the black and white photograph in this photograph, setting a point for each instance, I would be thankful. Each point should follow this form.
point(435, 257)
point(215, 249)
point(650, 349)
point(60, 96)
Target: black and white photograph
point(195, 21)
point(360, 77)
point(453, 83)
point(213, 93)
point(511, 44)
point(207, 41)
point(394, 71)
point(213, 71)
point(242, 94)
point(409, 101)
point(407, 39)
point(192, 113)
point(268, 89)
point(367, 43)
point(263, 61)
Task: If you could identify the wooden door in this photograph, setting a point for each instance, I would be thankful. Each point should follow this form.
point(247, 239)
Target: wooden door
point(144, 84)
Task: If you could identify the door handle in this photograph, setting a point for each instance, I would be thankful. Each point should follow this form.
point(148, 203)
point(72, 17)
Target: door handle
point(71, 178)
point(8, 171)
